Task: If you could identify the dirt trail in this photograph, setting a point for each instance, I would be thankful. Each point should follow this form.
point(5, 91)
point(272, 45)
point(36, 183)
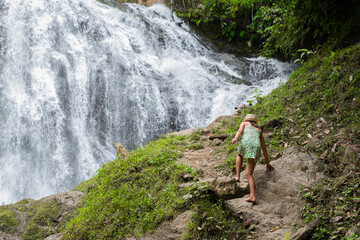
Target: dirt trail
point(279, 200)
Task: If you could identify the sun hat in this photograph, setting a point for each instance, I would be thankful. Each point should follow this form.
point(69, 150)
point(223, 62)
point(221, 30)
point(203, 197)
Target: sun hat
point(251, 117)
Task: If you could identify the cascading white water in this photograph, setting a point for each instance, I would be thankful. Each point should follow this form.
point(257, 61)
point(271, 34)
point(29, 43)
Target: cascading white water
point(78, 75)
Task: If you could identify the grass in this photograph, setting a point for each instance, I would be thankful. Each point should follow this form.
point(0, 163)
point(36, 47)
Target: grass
point(8, 220)
point(40, 217)
point(132, 196)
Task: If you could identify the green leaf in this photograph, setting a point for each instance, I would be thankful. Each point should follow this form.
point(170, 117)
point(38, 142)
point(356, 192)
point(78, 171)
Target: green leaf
point(303, 50)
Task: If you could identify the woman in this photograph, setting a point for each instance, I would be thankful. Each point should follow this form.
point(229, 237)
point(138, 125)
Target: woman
point(251, 142)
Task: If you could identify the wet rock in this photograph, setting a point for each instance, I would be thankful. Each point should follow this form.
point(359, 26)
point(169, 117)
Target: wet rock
point(240, 108)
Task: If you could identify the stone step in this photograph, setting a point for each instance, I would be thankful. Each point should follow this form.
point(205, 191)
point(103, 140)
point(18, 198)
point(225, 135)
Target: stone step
point(224, 187)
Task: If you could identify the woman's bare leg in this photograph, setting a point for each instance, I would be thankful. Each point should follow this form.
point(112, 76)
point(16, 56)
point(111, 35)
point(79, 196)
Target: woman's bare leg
point(239, 161)
point(249, 174)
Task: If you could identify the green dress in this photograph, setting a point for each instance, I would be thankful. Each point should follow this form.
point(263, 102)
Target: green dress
point(249, 146)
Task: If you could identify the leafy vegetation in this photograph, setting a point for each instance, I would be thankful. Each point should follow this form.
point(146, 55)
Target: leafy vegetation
point(8, 221)
point(40, 216)
point(336, 202)
point(280, 27)
point(214, 221)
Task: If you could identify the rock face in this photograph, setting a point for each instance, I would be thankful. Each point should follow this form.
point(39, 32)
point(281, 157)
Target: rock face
point(278, 195)
point(173, 230)
point(42, 219)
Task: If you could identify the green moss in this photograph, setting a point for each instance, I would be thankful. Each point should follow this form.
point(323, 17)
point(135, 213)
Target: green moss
point(41, 217)
point(195, 136)
point(195, 146)
point(86, 186)
point(21, 208)
point(24, 201)
point(8, 221)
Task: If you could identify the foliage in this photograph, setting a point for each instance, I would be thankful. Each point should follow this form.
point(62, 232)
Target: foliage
point(304, 55)
point(228, 18)
point(8, 221)
point(280, 27)
point(195, 146)
point(336, 202)
point(40, 217)
point(214, 221)
point(288, 25)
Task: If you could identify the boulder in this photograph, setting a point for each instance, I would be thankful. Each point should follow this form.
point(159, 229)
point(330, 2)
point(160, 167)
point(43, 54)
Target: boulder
point(48, 213)
point(228, 188)
point(218, 136)
point(121, 150)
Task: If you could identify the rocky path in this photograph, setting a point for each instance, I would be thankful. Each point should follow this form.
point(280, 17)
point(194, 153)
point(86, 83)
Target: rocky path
point(279, 197)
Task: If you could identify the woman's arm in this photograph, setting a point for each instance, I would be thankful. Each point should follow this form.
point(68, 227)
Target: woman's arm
point(239, 132)
point(263, 147)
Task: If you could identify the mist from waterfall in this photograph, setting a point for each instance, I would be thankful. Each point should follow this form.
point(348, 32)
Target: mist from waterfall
point(78, 75)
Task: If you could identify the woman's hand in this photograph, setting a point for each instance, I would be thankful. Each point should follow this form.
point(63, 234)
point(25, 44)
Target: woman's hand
point(234, 140)
point(269, 167)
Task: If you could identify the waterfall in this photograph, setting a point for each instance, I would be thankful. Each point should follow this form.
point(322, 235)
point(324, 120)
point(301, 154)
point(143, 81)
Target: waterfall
point(78, 75)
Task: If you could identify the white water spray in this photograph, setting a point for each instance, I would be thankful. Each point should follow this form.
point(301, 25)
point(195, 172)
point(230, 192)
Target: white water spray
point(78, 75)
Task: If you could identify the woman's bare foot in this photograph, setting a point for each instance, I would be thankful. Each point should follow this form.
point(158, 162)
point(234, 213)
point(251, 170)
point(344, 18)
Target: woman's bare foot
point(251, 199)
point(237, 179)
